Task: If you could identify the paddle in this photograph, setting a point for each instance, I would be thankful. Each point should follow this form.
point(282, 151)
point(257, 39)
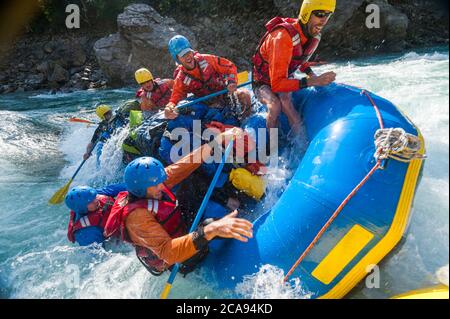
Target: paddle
point(242, 81)
point(78, 120)
point(173, 274)
point(242, 77)
point(61, 193)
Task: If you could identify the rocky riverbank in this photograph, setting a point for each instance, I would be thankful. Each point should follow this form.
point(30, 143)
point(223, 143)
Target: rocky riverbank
point(56, 63)
point(95, 58)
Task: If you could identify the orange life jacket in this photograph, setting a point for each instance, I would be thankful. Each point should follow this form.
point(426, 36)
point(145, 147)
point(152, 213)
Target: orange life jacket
point(300, 55)
point(210, 81)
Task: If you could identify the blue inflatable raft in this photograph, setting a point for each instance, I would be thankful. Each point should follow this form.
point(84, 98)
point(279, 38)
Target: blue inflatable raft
point(341, 122)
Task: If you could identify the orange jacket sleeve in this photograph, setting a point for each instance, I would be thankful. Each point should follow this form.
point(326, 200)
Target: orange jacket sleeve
point(179, 91)
point(144, 230)
point(277, 49)
point(180, 170)
point(223, 66)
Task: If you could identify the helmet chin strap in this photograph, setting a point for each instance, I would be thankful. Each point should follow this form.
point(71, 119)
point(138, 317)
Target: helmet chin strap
point(305, 29)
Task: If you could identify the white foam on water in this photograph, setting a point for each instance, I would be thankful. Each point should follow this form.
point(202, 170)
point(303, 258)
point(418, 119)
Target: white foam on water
point(110, 169)
point(442, 275)
point(268, 283)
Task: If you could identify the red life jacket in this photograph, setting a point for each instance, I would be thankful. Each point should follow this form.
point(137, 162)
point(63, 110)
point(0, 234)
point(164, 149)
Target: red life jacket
point(167, 213)
point(92, 219)
point(300, 55)
point(160, 95)
point(210, 82)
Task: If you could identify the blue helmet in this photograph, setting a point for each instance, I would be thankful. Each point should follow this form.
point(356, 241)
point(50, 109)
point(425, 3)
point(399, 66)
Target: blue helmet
point(142, 173)
point(79, 198)
point(179, 45)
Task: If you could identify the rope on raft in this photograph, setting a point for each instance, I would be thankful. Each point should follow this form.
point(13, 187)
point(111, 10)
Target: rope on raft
point(395, 143)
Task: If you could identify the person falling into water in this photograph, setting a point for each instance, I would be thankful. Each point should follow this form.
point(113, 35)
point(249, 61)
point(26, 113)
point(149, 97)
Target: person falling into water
point(109, 123)
point(89, 211)
point(150, 217)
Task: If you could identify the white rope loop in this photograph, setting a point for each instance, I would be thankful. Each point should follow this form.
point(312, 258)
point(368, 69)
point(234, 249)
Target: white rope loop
point(395, 143)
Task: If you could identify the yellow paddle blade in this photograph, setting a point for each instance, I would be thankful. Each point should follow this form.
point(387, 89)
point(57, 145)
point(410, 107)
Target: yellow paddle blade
point(165, 292)
point(242, 77)
point(60, 195)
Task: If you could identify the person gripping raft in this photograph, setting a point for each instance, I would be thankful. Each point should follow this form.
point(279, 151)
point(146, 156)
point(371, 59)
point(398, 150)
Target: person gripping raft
point(287, 47)
point(89, 211)
point(150, 217)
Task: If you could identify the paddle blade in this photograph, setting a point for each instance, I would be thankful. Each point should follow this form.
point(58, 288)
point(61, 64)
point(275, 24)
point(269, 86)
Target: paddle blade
point(165, 292)
point(242, 77)
point(60, 195)
point(77, 120)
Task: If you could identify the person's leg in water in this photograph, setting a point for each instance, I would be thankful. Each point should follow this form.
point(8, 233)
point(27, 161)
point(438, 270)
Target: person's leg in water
point(273, 103)
point(277, 103)
point(287, 107)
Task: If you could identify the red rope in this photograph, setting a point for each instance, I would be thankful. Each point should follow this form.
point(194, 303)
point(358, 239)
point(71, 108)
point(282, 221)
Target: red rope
point(380, 119)
point(344, 203)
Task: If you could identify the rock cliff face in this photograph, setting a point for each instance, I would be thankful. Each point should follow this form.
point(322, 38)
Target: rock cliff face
point(93, 60)
point(141, 41)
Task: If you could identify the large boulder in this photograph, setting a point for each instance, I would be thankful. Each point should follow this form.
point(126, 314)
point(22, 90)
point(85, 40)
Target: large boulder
point(141, 42)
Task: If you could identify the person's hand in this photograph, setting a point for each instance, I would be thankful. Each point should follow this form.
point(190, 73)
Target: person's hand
point(232, 87)
point(170, 112)
point(226, 136)
point(86, 156)
point(322, 80)
point(229, 227)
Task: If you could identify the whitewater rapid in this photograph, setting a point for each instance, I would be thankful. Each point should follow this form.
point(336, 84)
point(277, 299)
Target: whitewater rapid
point(39, 151)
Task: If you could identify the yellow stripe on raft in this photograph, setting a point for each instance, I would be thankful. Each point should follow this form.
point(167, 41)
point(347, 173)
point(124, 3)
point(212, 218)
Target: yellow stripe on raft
point(342, 254)
point(393, 236)
point(438, 292)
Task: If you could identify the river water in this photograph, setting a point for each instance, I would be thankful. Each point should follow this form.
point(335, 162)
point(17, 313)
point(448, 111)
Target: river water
point(39, 150)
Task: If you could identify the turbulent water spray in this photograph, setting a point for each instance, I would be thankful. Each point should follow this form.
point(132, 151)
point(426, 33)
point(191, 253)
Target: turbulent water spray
point(267, 283)
point(111, 166)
